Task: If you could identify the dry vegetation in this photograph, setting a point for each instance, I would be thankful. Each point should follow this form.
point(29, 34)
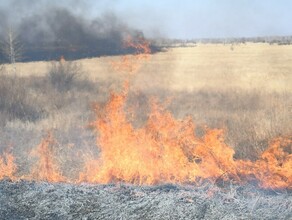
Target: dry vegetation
point(31, 200)
point(246, 90)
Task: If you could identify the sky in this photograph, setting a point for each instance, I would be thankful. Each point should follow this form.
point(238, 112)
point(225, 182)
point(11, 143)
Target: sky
point(184, 19)
point(205, 18)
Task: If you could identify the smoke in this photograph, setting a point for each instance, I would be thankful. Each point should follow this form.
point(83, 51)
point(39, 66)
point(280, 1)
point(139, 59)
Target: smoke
point(49, 30)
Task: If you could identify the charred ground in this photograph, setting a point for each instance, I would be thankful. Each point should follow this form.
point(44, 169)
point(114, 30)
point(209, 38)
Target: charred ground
point(32, 200)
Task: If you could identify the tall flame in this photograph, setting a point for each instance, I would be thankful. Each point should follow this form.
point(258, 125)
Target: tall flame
point(166, 150)
point(7, 166)
point(46, 167)
point(163, 150)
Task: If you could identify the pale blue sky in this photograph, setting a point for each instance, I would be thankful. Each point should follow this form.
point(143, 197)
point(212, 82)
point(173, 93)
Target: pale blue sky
point(204, 18)
point(180, 18)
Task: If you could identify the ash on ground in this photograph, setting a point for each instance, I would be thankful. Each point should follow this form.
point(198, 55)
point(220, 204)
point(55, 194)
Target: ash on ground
point(42, 200)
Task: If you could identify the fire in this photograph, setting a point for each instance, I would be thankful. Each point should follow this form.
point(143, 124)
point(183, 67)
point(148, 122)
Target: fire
point(7, 166)
point(141, 46)
point(163, 150)
point(46, 168)
point(131, 63)
point(274, 168)
point(62, 59)
point(166, 150)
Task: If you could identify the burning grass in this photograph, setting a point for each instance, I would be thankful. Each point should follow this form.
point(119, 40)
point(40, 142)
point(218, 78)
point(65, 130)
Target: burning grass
point(46, 168)
point(162, 150)
point(166, 150)
point(183, 169)
point(7, 166)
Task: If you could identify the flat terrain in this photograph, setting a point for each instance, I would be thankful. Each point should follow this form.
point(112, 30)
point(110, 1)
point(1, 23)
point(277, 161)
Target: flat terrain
point(248, 66)
point(30, 200)
point(243, 88)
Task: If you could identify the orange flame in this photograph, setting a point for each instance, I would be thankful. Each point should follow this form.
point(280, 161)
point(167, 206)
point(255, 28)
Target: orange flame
point(130, 63)
point(7, 166)
point(274, 168)
point(46, 168)
point(167, 150)
point(164, 150)
point(141, 46)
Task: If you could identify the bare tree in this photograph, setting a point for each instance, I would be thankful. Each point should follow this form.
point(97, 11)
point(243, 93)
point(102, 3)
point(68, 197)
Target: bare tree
point(12, 48)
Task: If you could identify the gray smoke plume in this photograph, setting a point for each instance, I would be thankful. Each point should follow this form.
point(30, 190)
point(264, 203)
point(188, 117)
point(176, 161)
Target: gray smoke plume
point(49, 30)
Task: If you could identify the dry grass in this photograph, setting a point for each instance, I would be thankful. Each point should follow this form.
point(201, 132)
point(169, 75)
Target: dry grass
point(248, 66)
point(63, 74)
point(246, 90)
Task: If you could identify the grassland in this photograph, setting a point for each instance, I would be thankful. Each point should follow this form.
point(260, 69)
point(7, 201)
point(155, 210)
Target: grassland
point(245, 89)
point(247, 66)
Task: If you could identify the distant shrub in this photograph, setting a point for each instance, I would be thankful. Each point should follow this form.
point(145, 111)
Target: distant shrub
point(63, 74)
point(16, 101)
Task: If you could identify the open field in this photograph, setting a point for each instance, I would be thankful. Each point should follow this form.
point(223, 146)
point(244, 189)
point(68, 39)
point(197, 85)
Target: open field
point(145, 110)
point(245, 89)
point(247, 66)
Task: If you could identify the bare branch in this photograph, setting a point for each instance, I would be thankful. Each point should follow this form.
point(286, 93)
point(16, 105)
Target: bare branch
point(11, 47)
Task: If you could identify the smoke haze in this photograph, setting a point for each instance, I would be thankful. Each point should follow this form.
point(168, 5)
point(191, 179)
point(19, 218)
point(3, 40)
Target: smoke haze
point(49, 30)
point(97, 27)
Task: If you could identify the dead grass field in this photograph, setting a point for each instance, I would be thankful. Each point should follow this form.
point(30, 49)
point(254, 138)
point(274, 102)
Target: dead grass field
point(247, 66)
point(245, 90)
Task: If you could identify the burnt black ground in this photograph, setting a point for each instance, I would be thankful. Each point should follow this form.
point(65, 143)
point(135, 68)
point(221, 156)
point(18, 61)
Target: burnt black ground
point(32, 200)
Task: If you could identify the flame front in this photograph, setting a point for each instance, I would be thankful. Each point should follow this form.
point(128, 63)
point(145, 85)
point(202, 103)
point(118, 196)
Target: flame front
point(166, 150)
point(274, 168)
point(163, 150)
point(7, 166)
point(130, 64)
point(46, 168)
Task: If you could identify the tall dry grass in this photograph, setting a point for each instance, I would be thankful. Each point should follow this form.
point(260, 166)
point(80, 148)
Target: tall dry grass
point(246, 91)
